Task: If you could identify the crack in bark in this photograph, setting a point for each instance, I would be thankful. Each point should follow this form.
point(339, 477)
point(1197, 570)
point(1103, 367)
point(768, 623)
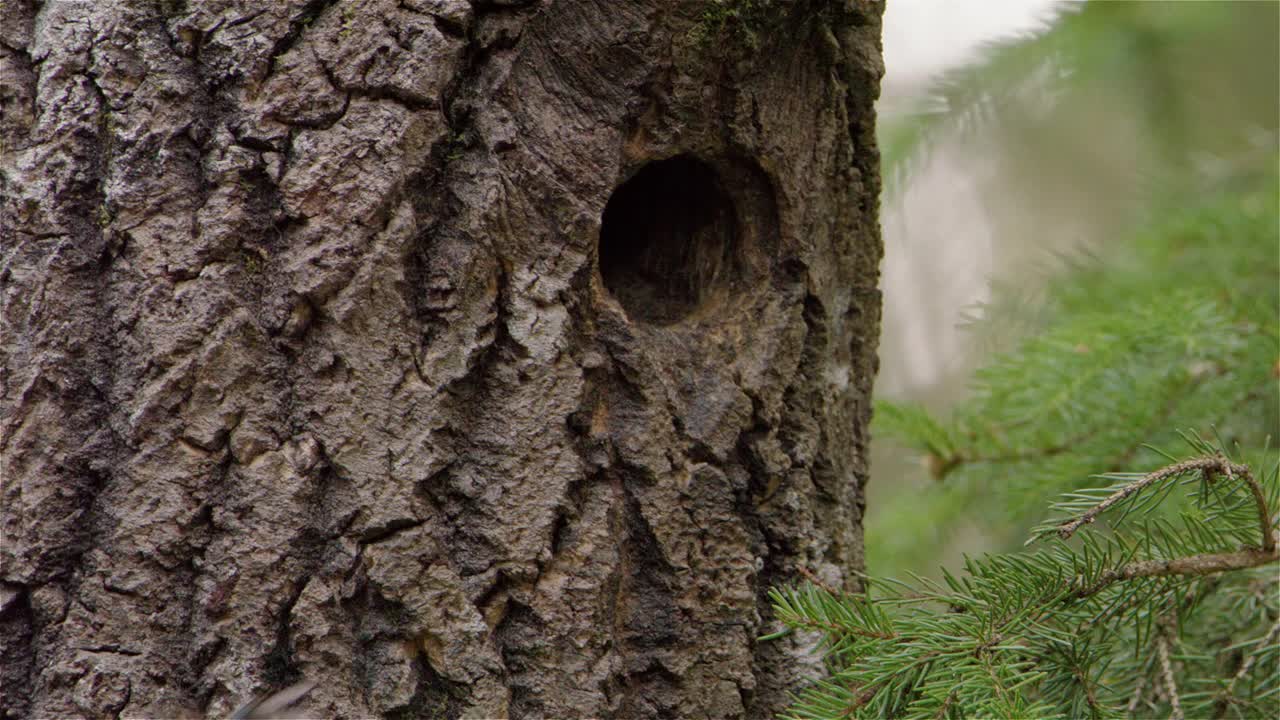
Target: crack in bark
point(390, 530)
point(297, 26)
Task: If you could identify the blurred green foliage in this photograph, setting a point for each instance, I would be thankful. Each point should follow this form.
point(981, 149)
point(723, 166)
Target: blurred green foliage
point(1168, 320)
point(1175, 84)
point(1179, 328)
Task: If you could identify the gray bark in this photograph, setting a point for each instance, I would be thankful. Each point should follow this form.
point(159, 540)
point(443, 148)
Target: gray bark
point(323, 359)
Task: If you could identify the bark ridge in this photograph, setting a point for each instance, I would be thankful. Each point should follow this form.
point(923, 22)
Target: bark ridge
point(314, 366)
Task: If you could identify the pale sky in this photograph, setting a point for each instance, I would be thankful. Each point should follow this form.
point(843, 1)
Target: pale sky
point(939, 256)
point(924, 37)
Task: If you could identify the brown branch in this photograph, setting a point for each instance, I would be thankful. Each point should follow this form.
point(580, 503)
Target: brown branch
point(1166, 671)
point(1069, 528)
point(945, 465)
point(1264, 514)
point(1159, 420)
point(861, 700)
point(1136, 699)
point(811, 577)
point(868, 694)
point(1190, 566)
point(946, 705)
point(1247, 665)
point(1210, 466)
point(1089, 695)
point(940, 466)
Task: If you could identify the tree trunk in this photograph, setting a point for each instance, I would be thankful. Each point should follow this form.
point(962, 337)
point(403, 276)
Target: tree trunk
point(471, 359)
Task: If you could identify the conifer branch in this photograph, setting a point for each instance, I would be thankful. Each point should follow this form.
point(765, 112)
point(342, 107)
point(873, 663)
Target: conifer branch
point(1004, 617)
point(1210, 466)
point(1190, 566)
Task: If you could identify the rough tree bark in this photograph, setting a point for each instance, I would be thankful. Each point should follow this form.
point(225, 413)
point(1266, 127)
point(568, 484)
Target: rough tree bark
point(471, 358)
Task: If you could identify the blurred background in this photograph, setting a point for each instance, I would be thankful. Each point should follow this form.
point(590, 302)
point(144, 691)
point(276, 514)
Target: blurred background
point(1033, 147)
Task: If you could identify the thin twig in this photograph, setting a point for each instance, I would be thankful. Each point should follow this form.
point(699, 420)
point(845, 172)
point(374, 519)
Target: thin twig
point(940, 466)
point(1069, 528)
point(1136, 699)
point(1191, 565)
point(995, 679)
point(1226, 697)
point(1216, 464)
point(1106, 615)
point(1166, 670)
point(946, 705)
point(1260, 500)
point(1247, 665)
point(811, 577)
point(1089, 695)
point(858, 702)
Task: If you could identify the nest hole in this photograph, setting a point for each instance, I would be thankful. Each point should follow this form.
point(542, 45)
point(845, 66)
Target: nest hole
point(669, 241)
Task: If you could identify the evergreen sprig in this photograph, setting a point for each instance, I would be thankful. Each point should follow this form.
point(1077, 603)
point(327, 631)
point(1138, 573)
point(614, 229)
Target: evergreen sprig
point(1133, 600)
